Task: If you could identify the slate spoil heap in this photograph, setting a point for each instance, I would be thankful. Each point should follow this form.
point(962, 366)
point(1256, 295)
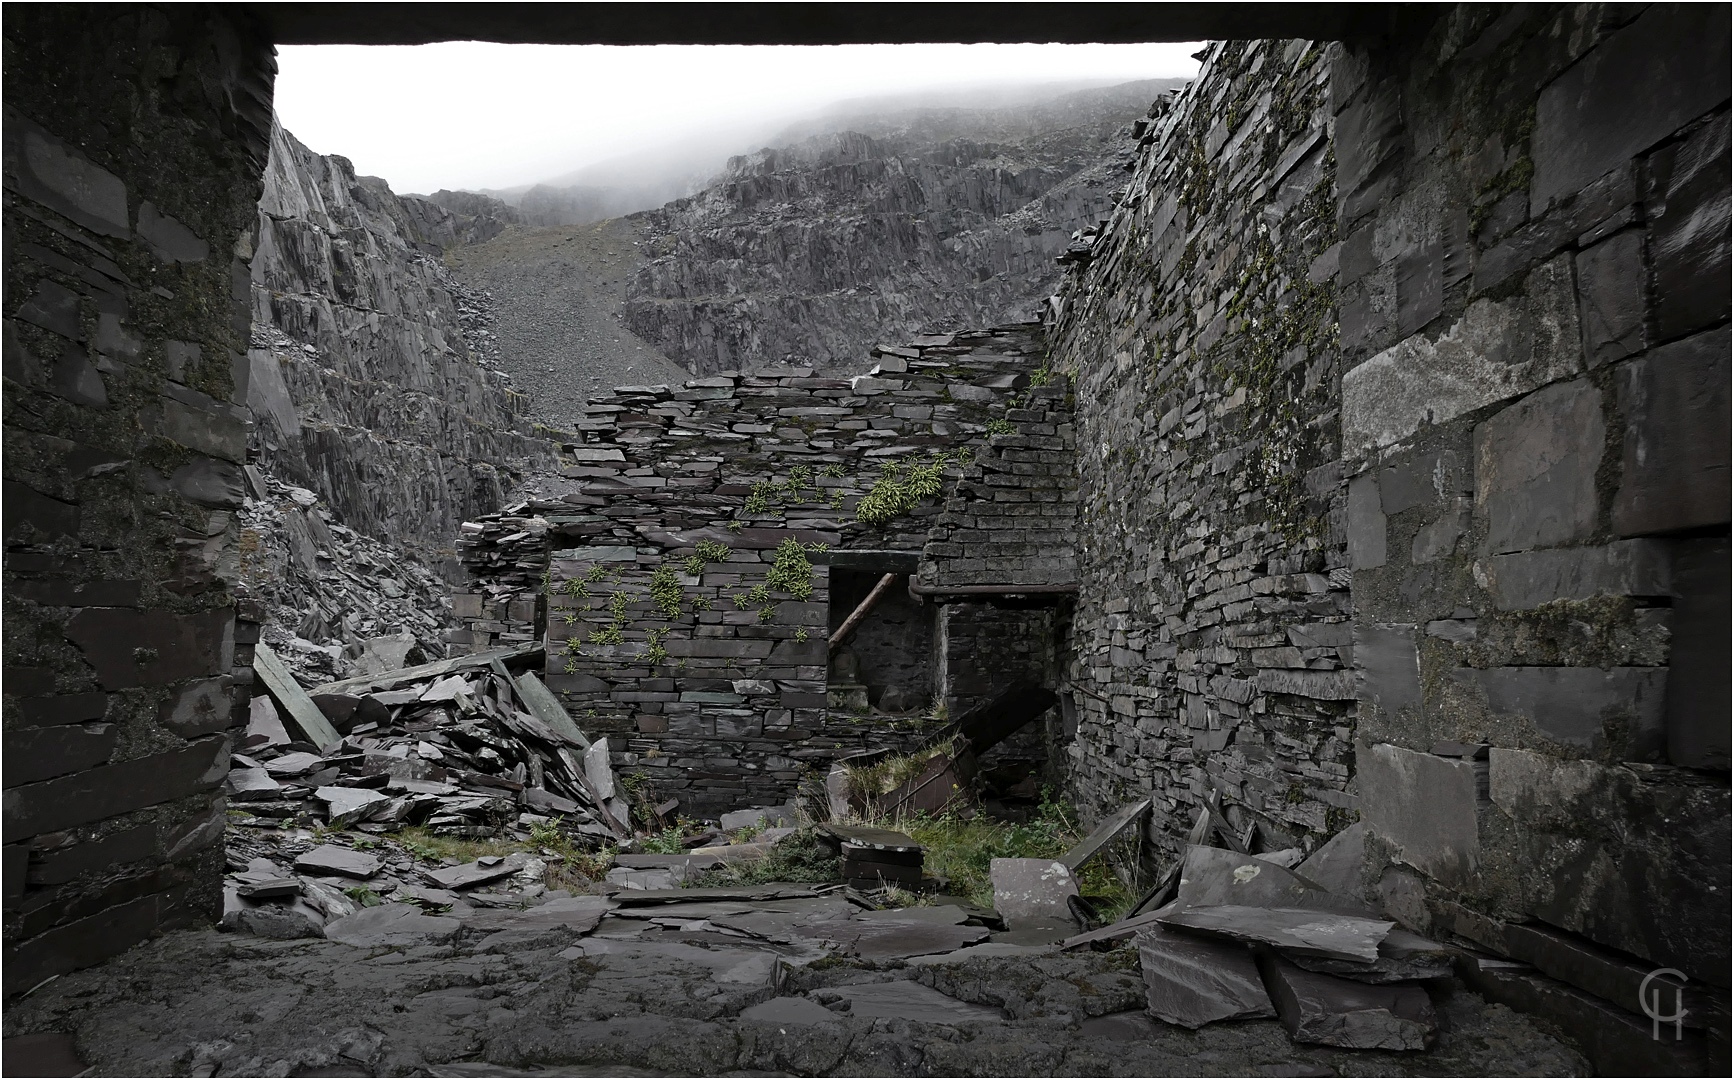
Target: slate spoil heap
point(337, 603)
point(465, 748)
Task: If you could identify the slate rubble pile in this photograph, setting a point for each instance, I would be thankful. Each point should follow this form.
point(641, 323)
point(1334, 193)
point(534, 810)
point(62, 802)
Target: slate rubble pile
point(463, 748)
point(337, 603)
point(1246, 936)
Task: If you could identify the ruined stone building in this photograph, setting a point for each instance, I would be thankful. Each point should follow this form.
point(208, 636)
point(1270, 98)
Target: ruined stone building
point(1370, 469)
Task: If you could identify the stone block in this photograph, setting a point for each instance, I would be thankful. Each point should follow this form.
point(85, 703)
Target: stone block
point(81, 943)
point(1319, 1008)
point(59, 865)
point(1031, 888)
point(63, 708)
point(108, 790)
point(128, 647)
point(1535, 468)
point(39, 753)
point(209, 482)
point(1387, 668)
point(1689, 236)
point(43, 168)
point(1423, 807)
point(1633, 858)
point(1610, 290)
point(1642, 84)
point(1606, 974)
point(1611, 710)
point(1698, 685)
point(1196, 981)
point(1529, 579)
point(1674, 467)
point(1615, 1042)
point(204, 707)
point(1420, 283)
point(34, 517)
point(1366, 524)
point(1336, 865)
point(1496, 350)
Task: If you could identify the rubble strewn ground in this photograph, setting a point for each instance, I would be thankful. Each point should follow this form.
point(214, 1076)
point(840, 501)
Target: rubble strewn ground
point(638, 999)
point(450, 887)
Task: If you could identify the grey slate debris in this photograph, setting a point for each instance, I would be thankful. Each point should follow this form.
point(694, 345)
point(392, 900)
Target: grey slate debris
point(1298, 930)
point(1195, 981)
point(331, 859)
point(1319, 1008)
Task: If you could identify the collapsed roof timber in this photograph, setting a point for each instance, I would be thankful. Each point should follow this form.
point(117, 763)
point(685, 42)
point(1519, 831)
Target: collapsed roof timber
point(1359, 504)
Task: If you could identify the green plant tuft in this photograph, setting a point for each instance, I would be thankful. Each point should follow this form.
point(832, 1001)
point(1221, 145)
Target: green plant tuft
point(665, 591)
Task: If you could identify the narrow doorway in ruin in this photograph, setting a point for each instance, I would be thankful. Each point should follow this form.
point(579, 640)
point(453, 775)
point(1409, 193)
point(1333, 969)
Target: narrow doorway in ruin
point(884, 663)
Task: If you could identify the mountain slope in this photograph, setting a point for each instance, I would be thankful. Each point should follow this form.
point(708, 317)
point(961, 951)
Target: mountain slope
point(933, 219)
point(365, 375)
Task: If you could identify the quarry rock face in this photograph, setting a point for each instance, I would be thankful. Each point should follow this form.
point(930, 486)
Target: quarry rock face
point(366, 383)
point(940, 219)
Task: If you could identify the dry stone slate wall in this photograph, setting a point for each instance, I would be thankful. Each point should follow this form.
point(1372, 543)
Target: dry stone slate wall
point(134, 143)
point(688, 589)
point(1209, 650)
point(1535, 297)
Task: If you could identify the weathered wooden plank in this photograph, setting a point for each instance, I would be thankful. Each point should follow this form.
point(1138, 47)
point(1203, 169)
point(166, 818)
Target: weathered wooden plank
point(547, 708)
point(860, 612)
point(988, 724)
point(1104, 833)
point(367, 684)
point(303, 715)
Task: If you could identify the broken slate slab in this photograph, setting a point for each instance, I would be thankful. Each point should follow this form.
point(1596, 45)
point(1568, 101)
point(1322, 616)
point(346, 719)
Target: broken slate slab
point(1298, 930)
point(1403, 957)
point(906, 1000)
point(471, 874)
point(252, 785)
point(578, 914)
point(1103, 834)
point(348, 805)
point(296, 764)
point(758, 815)
point(790, 1010)
point(1211, 877)
point(887, 939)
point(392, 925)
point(264, 726)
point(1194, 981)
point(266, 887)
point(1336, 865)
point(659, 877)
point(278, 920)
point(1031, 889)
point(342, 861)
point(1120, 931)
point(303, 715)
point(986, 950)
point(1319, 1008)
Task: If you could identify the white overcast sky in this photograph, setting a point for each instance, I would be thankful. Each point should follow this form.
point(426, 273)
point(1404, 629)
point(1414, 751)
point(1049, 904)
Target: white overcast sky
point(480, 115)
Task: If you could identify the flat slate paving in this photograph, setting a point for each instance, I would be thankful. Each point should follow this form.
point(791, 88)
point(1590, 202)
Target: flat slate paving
point(548, 1001)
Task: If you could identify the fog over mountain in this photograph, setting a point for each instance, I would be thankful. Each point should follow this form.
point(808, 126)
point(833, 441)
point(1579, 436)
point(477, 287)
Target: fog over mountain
point(652, 177)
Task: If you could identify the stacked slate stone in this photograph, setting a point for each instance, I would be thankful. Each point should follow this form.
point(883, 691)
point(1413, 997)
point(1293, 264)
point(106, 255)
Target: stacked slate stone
point(687, 598)
point(335, 603)
point(1211, 643)
point(1013, 518)
point(507, 554)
